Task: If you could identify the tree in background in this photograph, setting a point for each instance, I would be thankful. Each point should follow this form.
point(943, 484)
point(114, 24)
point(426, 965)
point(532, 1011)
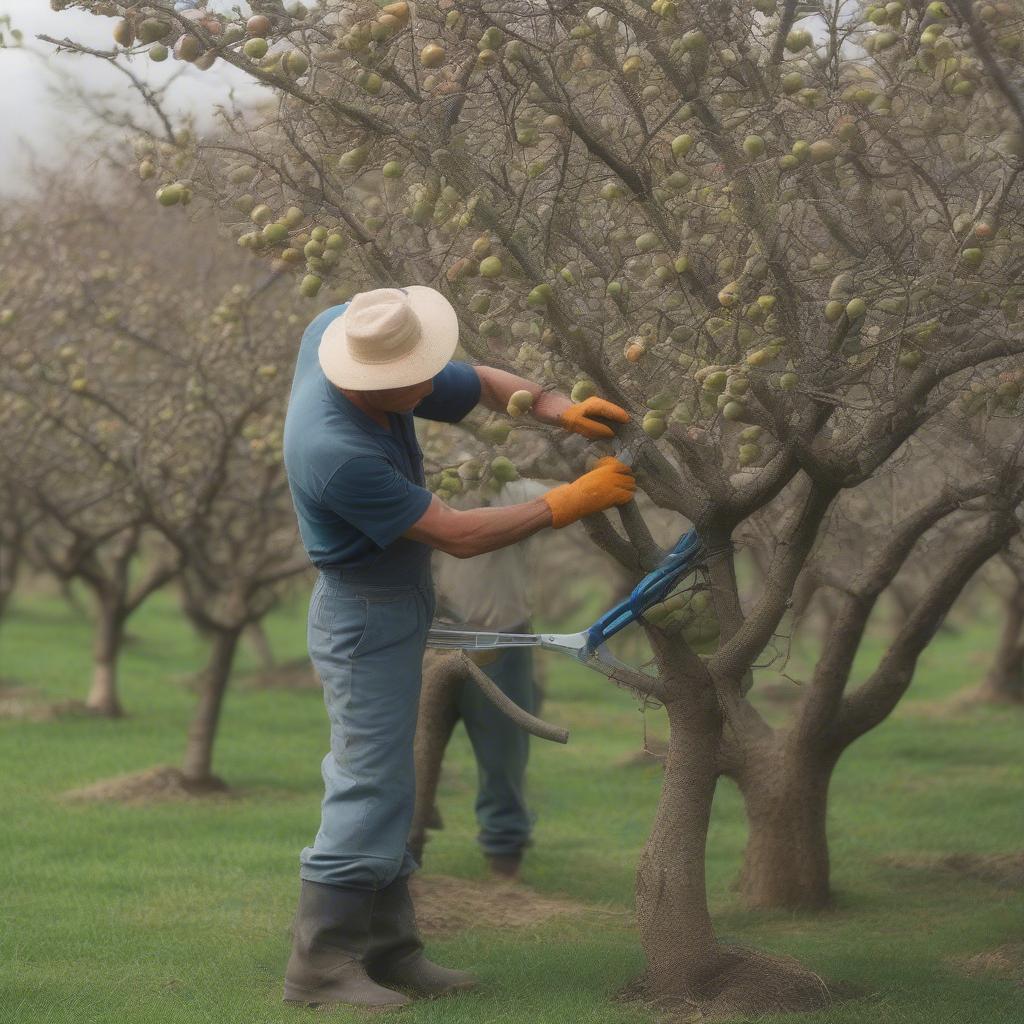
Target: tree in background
point(143, 393)
point(791, 253)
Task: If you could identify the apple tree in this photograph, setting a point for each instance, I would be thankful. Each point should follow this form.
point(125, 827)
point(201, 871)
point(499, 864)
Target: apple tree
point(785, 236)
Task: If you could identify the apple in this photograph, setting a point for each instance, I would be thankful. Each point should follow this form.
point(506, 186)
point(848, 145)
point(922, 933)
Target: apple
point(971, 258)
point(256, 48)
point(582, 390)
point(753, 146)
point(158, 53)
point(432, 55)
point(169, 195)
point(295, 63)
point(124, 34)
point(310, 285)
point(188, 48)
point(520, 403)
point(681, 145)
point(258, 26)
point(491, 267)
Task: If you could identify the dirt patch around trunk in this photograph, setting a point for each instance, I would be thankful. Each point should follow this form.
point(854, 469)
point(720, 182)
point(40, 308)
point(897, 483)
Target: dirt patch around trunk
point(1005, 962)
point(446, 905)
point(27, 704)
point(155, 785)
point(747, 984)
point(1005, 870)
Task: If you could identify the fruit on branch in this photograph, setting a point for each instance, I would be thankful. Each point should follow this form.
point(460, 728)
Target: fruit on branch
point(834, 309)
point(432, 55)
point(856, 308)
point(788, 381)
point(822, 151)
point(753, 146)
point(370, 82)
point(255, 48)
point(310, 285)
point(612, 190)
point(491, 267)
point(124, 34)
point(634, 350)
point(294, 63)
point(519, 403)
point(541, 295)
point(792, 82)
point(274, 233)
point(798, 39)
point(653, 424)
point(147, 169)
point(749, 453)
point(582, 390)
point(971, 258)
point(503, 470)
point(647, 241)
point(354, 158)
point(681, 145)
point(258, 26)
point(158, 53)
point(152, 30)
point(188, 48)
point(694, 41)
point(170, 195)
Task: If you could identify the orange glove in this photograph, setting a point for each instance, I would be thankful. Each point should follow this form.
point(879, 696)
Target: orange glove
point(609, 483)
point(579, 418)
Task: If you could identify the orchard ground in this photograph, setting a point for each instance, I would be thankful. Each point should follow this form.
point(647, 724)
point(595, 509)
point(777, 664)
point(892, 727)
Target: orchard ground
point(178, 911)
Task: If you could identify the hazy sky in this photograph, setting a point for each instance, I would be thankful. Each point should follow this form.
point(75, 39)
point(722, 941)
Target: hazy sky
point(31, 116)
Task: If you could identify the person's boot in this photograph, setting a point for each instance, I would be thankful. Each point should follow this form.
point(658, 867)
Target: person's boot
point(395, 955)
point(505, 866)
point(331, 937)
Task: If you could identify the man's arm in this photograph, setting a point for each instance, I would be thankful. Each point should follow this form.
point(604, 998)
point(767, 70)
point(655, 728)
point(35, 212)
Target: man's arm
point(478, 530)
point(498, 386)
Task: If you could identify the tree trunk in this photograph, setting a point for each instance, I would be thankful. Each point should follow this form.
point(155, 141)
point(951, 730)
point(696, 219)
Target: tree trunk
point(103, 696)
point(203, 730)
point(434, 726)
point(678, 939)
point(1005, 681)
point(785, 864)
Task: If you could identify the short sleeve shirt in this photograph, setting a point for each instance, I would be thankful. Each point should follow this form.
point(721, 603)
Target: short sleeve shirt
point(356, 486)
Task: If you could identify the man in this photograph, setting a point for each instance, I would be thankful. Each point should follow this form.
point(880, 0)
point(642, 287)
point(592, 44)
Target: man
point(492, 592)
point(367, 522)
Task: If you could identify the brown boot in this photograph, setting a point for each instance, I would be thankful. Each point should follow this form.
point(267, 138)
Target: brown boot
point(331, 937)
point(505, 865)
point(395, 955)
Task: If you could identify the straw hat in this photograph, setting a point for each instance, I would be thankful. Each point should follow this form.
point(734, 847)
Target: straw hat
point(389, 338)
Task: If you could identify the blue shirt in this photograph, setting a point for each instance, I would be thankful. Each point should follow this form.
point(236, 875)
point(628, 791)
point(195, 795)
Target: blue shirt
point(356, 486)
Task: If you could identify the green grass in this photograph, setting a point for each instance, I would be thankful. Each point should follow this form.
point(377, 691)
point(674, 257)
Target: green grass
point(180, 912)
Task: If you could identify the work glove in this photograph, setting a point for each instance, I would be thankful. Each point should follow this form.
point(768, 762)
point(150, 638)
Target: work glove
point(609, 483)
point(579, 418)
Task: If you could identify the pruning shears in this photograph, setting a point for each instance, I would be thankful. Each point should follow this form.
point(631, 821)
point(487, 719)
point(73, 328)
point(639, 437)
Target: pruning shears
point(589, 645)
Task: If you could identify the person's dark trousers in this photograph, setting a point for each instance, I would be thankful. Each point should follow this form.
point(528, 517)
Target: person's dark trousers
point(502, 750)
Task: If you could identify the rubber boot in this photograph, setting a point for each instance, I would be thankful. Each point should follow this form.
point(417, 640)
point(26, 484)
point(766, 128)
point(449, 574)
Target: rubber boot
point(331, 938)
point(395, 955)
point(504, 865)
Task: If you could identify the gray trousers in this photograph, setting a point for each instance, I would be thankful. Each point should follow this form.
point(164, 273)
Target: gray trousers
point(366, 642)
point(501, 750)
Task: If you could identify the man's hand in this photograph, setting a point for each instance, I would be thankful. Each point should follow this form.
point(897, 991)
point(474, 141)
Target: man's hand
point(609, 483)
point(580, 418)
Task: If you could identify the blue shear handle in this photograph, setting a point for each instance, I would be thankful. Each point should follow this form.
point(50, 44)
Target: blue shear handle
point(652, 589)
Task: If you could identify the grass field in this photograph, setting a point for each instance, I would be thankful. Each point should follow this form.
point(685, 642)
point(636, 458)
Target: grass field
point(179, 912)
